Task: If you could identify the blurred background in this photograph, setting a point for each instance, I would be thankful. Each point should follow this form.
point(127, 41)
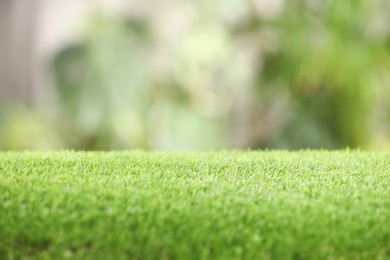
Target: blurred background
point(194, 75)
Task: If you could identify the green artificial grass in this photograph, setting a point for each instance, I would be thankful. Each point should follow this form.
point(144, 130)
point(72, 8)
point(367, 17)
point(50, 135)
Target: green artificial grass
point(223, 205)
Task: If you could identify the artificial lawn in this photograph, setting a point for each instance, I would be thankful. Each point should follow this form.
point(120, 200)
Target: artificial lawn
point(222, 205)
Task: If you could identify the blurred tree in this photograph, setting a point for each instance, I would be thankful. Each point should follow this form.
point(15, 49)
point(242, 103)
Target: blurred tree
point(18, 81)
point(327, 62)
point(113, 99)
point(179, 75)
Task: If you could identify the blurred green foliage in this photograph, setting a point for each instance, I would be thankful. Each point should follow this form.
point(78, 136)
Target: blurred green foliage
point(328, 61)
point(226, 74)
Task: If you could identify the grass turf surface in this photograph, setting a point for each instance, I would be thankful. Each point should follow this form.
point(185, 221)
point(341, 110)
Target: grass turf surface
point(224, 205)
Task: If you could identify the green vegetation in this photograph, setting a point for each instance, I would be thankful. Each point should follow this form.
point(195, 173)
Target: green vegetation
point(224, 205)
point(212, 75)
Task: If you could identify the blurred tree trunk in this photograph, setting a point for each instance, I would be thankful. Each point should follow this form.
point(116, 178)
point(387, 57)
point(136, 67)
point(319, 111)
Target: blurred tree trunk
point(18, 35)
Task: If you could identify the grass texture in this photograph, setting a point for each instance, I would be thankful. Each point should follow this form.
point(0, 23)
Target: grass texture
point(222, 205)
